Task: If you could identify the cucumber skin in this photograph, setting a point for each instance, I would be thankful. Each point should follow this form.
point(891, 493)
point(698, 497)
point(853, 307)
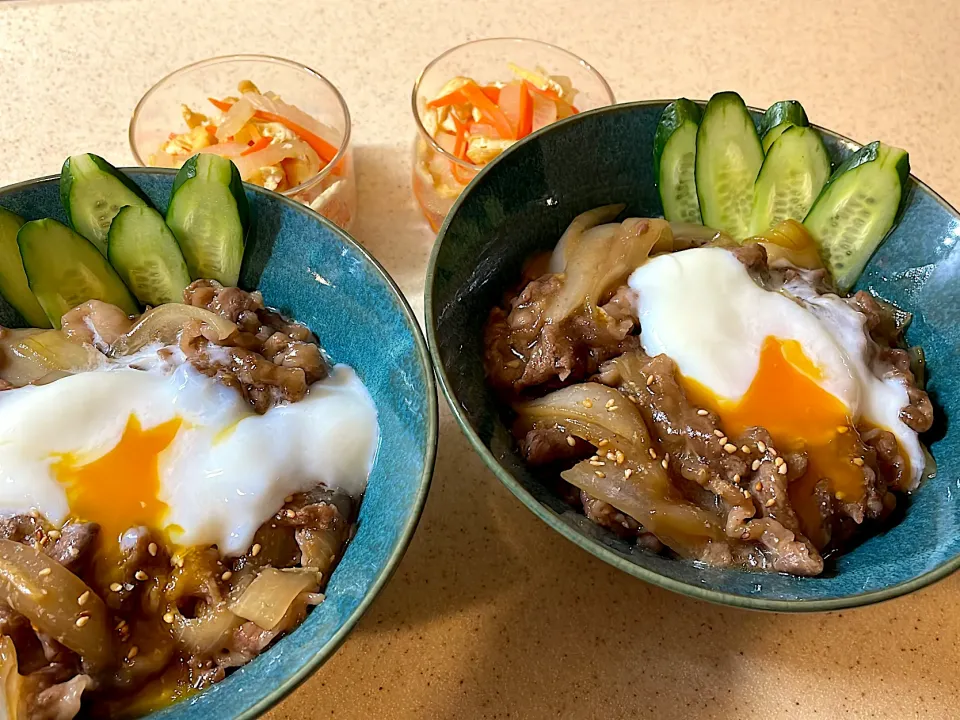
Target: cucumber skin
point(125, 276)
point(868, 153)
point(34, 316)
point(727, 96)
point(66, 182)
point(188, 171)
point(129, 303)
point(673, 116)
point(785, 111)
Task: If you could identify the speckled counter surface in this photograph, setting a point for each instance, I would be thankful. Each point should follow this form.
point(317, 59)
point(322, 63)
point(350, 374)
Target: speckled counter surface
point(492, 615)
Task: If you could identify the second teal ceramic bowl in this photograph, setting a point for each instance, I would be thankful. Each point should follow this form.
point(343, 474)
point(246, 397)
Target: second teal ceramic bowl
point(520, 204)
point(312, 271)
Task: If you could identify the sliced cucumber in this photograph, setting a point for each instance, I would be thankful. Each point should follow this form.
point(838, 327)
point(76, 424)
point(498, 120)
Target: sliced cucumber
point(857, 208)
point(674, 160)
point(778, 117)
point(92, 192)
point(793, 174)
point(13, 281)
point(145, 254)
point(208, 214)
point(729, 156)
point(64, 270)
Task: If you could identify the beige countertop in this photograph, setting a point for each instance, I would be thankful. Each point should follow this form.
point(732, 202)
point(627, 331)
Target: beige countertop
point(491, 614)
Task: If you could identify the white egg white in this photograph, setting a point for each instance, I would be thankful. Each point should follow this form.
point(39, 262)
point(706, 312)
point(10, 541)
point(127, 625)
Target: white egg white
point(226, 471)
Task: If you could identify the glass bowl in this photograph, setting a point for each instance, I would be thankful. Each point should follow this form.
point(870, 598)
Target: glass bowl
point(485, 61)
point(331, 192)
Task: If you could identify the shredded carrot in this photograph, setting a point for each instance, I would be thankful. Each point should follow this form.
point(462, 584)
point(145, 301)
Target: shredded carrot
point(548, 93)
point(212, 129)
point(454, 97)
point(525, 125)
point(220, 104)
point(492, 92)
point(462, 175)
point(472, 92)
point(325, 150)
point(258, 145)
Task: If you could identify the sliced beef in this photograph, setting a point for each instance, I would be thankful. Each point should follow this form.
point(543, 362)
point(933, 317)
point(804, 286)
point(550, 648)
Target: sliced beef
point(73, 546)
point(270, 360)
point(524, 351)
point(548, 445)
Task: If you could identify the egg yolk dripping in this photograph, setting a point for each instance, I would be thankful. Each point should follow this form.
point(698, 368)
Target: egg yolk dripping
point(785, 398)
point(118, 490)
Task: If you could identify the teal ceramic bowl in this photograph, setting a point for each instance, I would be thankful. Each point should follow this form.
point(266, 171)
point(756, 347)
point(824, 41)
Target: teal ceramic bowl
point(522, 202)
point(315, 273)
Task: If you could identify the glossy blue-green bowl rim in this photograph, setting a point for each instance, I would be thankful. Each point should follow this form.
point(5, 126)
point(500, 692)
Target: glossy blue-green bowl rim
point(569, 532)
point(327, 650)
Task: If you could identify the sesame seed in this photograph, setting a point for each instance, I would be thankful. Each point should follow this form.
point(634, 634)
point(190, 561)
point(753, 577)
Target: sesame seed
point(632, 399)
point(649, 380)
point(180, 562)
point(132, 652)
point(759, 486)
point(83, 598)
point(701, 412)
point(610, 403)
point(290, 513)
point(620, 457)
point(570, 441)
point(723, 439)
point(603, 443)
point(843, 429)
point(745, 449)
point(168, 618)
point(45, 572)
point(718, 433)
point(653, 454)
point(664, 463)
point(597, 463)
point(778, 462)
point(773, 451)
point(54, 534)
point(736, 478)
point(611, 456)
point(152, 549)
point(627, 473)
point(755, 466)
point(288, 498)
point(761, 446)
point(513, 364)
point(226, 576)
point(783, 469)
point(140, 575)
point(82, 620)
point(116, 587)
point(746, 493)
point(858, 462)
point(599, 474)
point(255, 550)
point(730, 448)
point(770, 503)
point(120, 625)
point(612, 408)
point(839, 495)
point(588, 403)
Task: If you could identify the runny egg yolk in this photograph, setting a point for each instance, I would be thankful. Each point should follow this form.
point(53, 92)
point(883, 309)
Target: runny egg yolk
point(785, 398)
point(118, 490)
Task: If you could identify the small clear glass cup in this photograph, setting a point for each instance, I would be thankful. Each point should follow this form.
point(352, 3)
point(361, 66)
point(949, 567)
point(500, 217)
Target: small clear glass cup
point(332, 192)
point(486, 62)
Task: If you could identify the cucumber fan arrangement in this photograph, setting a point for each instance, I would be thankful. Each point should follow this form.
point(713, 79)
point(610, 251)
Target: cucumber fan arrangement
point(715, 167)
point(120, 249)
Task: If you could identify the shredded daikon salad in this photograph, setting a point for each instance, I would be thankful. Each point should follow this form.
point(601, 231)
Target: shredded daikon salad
point(273, 144)
point(475, 123)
